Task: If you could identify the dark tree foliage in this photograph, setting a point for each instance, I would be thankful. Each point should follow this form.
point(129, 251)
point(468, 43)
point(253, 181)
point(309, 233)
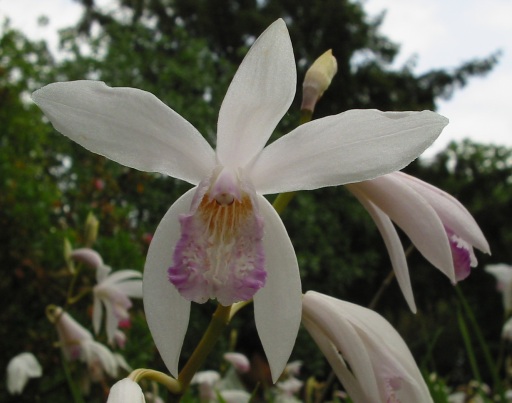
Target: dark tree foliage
point(186, 52)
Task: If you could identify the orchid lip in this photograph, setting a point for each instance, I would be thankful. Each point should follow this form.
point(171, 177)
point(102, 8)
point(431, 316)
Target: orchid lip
point(220, 252)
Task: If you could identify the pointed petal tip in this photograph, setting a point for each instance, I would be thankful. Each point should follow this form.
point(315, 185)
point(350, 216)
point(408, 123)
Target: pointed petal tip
point(278, 305)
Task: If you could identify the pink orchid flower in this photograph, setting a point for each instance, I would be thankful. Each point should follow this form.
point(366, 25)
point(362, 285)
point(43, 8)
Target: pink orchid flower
point(439, 226)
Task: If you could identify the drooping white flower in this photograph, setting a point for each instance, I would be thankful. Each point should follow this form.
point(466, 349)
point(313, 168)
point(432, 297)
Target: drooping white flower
point(20, 369)
point(503, 274)
point(113, 292)
point(77, 343)
point(126, 391)
point(367, 354)
point(439, 226)
point(222, 239)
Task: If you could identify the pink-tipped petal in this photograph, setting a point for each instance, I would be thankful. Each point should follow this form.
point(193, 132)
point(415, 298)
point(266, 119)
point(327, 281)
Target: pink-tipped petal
point(167, 312)
point(453, 214)
point(129, 126)
point(278, 305)
point(259, 95)
point(353, 146)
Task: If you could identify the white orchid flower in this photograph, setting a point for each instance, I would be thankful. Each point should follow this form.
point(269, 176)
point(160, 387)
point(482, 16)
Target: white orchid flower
point(126, 391)
point(222, 239)
point(439, 226)
point(20, 369)
point(113, 292)
point(503, 275)
point(367, 354)
point(77, 343)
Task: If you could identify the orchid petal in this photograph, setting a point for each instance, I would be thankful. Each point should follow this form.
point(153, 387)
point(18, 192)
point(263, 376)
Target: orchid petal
point(102, 273)
point(350, 147)
point(278, 305)
point(122, 275)
point(453, 214)
point(130, 288)
point(350, 328)
point(112, 320)
point(93, 351)
point(259, 95)
point(411, 212)
point(344, 338)
point(126, 391)
point(350, 383)
point(88, 256)
point(393, 245)
point(503, 274)
point(167, 312)
point(20, 369)
point(129, 126)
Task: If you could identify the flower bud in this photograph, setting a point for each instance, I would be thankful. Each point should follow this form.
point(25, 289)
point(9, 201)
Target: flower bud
point(317, 80)
point(91, 229)
point(68, 249)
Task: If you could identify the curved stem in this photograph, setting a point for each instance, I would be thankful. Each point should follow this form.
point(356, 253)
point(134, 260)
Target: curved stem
point(282, 200)
point(169, 382)
point(219, 322)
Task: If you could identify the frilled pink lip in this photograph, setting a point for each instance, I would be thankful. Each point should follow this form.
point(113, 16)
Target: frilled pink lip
point(220, 253)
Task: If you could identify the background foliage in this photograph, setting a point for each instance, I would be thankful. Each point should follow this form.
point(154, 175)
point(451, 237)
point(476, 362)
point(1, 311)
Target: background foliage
point(186, 52)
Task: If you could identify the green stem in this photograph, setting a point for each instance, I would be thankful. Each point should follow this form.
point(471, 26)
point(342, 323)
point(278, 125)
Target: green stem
point(238, 306)
point(498, 387)
point(74, 299)
point(170, 383)
point(72, 284)
point(305, 116)
point(77, 396)
point(282, 200)
point(219, 322)
point(386, 282)
point(469, 349)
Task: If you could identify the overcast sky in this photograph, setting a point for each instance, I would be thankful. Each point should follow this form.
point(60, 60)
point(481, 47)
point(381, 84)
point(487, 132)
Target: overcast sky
point(441, 33)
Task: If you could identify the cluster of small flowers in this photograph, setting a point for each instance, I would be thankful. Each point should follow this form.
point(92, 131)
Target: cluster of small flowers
point(111, 294)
